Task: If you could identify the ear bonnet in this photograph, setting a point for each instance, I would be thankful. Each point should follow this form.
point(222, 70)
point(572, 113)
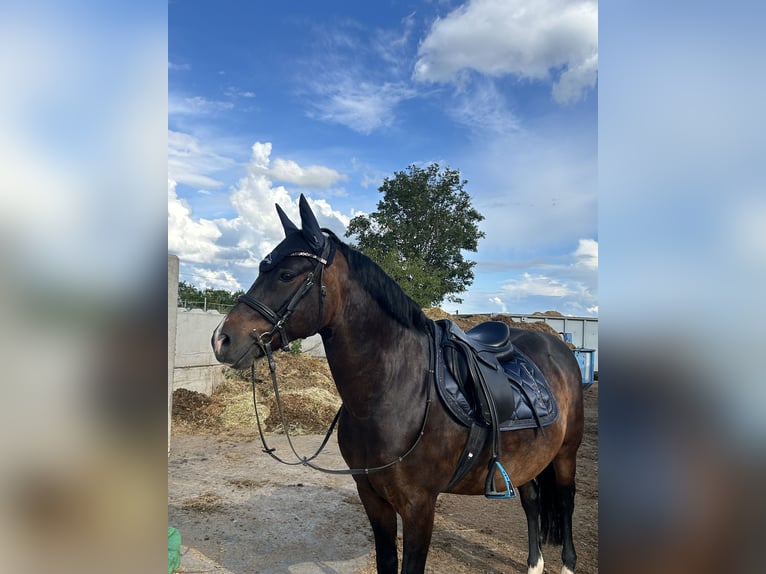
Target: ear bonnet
point(308, 241)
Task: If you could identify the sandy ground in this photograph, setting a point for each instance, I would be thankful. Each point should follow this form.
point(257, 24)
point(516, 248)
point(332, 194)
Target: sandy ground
point(240, 511)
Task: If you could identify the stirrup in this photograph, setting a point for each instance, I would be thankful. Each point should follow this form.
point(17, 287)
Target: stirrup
point(489, 484)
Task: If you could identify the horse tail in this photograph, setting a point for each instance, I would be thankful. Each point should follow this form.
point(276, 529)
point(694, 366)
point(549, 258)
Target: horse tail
point(551, 512)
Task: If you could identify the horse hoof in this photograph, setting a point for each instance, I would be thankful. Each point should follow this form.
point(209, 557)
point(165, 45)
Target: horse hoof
point(537, 568)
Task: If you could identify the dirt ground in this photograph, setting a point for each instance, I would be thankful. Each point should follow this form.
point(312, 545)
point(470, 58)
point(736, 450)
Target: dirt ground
point(251, 514)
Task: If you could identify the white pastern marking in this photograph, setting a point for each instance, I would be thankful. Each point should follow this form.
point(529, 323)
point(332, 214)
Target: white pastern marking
point(565, 570)
point(537, 568)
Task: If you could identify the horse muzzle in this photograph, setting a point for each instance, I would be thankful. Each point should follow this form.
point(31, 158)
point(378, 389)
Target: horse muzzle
point(237, 355)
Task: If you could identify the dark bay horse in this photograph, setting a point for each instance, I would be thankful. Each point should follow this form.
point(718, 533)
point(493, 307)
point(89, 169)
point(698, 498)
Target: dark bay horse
point(379, 345)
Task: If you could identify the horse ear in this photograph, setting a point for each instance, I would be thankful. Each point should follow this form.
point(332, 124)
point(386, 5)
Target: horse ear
point(288, 225)
point(311, 230)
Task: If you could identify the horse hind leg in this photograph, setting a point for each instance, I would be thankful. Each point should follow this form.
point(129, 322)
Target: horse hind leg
point(530, 501)
point(557, 492)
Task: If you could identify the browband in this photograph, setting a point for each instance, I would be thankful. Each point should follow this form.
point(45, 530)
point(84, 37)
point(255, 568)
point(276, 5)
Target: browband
point(322, 260)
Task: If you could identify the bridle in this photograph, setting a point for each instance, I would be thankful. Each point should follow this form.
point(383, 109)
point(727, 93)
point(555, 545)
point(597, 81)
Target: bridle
point(279, 318)
point(263, 340)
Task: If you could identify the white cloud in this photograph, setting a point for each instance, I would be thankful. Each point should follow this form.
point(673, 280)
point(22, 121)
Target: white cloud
point(537, 285)
point(327, 216)
point(575, 80)
point(192, 240)
point(257, 230)
point(516, 37)
point(214, 279)
point(195, 105)
point(309, 176)
point(362, 106)
point(227, 251)
point(392, 45)
point(192, 163)
point(483, 108)
point(586, 254)
point(233, 92)
point(368, 180)
point(253, 199)
point(498, 301)
point(360, 75)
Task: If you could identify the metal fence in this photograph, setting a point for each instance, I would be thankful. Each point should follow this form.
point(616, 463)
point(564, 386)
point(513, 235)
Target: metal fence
point(582, 330)
point(204, 305)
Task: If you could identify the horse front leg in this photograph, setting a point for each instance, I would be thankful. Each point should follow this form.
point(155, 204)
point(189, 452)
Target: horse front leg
point(382, 518)
point(417, 528)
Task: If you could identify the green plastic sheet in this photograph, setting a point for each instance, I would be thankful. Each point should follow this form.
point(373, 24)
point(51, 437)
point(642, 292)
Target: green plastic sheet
point(174, 549)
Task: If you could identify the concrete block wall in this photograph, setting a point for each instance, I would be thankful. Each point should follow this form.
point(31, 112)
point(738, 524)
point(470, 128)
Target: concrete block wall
point(196, 367)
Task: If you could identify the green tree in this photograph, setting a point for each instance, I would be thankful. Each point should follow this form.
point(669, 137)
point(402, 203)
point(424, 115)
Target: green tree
point(192, 297)
point(419, 232)
point(188, 293)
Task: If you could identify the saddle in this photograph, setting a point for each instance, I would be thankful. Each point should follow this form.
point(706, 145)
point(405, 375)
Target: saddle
point(490, 386)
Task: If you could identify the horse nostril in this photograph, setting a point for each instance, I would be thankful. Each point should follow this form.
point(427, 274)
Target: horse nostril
point(220, 344)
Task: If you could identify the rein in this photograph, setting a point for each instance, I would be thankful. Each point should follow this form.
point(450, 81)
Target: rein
point(306, 461)
point(264, 342)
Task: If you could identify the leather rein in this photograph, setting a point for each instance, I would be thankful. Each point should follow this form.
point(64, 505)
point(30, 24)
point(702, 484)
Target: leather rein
point(263, 340)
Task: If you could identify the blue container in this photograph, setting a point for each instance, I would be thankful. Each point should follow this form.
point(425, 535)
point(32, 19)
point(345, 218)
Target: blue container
point(567, 337)
point(585, 360)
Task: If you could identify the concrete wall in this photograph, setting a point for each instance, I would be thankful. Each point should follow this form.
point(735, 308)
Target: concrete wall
point(196, 367)
point(313, 346)
point(172, 298)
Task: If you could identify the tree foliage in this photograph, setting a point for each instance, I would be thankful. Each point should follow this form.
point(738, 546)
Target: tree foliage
point(192, 297)
point(419, 232)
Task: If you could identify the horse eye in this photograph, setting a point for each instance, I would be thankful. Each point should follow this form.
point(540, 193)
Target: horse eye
point(286, 276)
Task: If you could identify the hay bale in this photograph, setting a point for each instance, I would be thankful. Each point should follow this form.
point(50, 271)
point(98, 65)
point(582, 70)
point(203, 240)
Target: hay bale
point(239, 414)
point(464, 322)
point(306, 411)
point(531, 325)
point(547, 314)
point(436, 313)
point(301, 371)
point(195, 410)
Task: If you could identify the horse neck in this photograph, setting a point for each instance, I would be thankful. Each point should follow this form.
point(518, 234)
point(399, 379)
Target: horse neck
point(377, 362)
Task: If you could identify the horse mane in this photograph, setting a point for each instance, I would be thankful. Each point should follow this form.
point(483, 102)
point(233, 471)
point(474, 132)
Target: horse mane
point(391, 298)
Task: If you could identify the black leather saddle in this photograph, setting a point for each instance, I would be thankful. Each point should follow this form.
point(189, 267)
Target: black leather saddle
point(489, 385)
point(482, 366)
point(490, 336)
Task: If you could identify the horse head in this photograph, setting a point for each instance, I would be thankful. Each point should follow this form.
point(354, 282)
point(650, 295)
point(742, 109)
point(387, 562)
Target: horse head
point(286, 301)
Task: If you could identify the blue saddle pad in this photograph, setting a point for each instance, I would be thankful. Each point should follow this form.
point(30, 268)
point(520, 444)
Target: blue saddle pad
point(530, 394)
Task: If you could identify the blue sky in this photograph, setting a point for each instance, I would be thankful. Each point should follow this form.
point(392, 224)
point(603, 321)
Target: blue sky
point(267, 101)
